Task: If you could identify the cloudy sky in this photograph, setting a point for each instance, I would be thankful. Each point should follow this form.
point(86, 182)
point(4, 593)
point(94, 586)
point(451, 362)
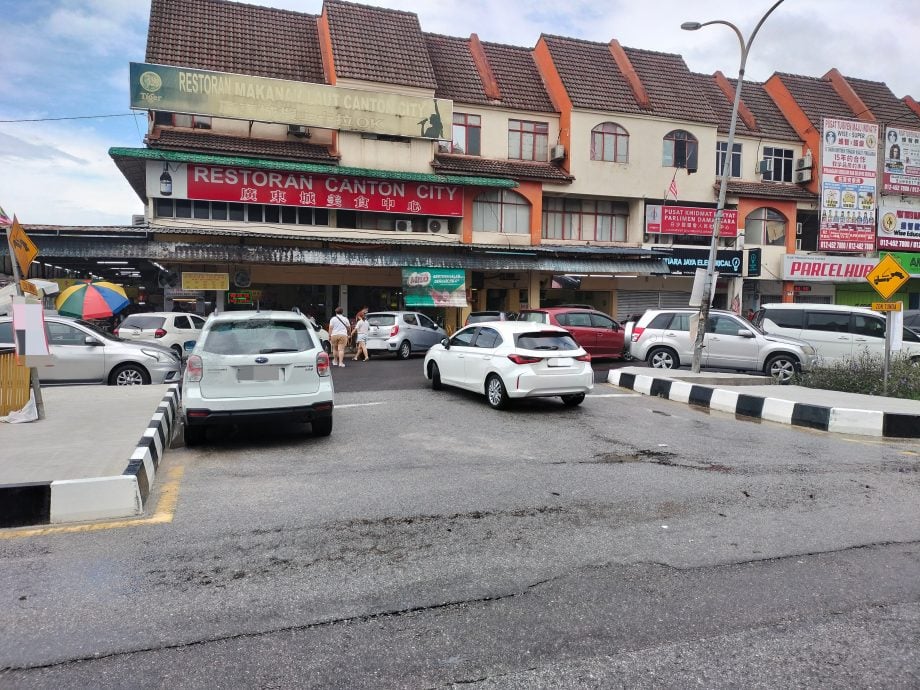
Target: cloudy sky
point(70, 59)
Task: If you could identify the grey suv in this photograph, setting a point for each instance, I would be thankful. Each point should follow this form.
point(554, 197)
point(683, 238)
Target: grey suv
point(401, 332)
point(662, 338)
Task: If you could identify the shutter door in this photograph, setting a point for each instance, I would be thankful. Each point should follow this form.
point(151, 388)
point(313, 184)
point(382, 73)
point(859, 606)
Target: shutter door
point(637, 301)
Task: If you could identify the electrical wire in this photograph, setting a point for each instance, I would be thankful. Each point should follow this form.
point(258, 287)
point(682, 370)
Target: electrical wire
point(74, 117)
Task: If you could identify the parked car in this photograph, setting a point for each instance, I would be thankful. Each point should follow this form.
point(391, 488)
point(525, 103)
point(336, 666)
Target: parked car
point(836, 331)
point(599, 334)
point(912, 320)
point(512, 359)
point(255, 366)
point(662, 338)
point(323, 335)
point(168, 328)
point(480, 316)
point(83, 353)
point(401, 332)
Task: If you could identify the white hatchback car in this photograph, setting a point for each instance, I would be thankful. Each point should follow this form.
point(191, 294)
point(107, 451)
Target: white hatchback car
point(512, 359)
point(168, 328)
point(255, 366)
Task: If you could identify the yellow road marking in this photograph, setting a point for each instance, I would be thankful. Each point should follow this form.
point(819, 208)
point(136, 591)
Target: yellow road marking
point(166, 509)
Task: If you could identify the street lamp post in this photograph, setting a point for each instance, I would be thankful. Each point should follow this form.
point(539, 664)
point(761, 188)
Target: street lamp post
point(708, 286)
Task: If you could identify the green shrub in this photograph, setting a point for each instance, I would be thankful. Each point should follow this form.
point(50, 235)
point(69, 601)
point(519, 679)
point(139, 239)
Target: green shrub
point(864, 373)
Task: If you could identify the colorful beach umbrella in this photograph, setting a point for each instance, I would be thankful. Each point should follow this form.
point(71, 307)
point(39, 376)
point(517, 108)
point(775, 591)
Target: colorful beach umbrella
point(88, 300)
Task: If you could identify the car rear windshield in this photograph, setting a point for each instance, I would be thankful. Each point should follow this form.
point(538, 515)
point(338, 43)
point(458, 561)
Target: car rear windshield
point(547, 340)
point(484, 316)
point(535, 316)
point(143, 322)
point(381, 319)
point(254, 337)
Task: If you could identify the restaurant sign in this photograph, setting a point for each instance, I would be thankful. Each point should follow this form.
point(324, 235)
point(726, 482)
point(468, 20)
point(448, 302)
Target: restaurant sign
point(244, 97)
point(282, 188)
point(826, 269)
point(688, 220)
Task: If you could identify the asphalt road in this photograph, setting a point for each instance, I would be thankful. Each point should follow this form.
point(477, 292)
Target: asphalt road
point(432, 541)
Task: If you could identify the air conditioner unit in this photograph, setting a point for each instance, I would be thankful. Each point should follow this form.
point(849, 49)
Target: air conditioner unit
point(438, 225)
point(404, 224)
point(299, 131)
point(765, 166)
point(558, 153)
point(138, 219)
point(802, 176)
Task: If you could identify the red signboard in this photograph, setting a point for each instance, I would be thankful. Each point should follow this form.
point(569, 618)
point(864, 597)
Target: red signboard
point(242, 185)
point(687, 220)
point(847, 238)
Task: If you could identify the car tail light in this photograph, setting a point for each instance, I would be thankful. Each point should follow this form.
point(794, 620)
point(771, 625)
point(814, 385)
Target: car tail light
point(322, 364)
point(584, 358)
point(394, 330)
point(116, 333)
point(524, 359)
point(159, 333)
point(637, 333)
point(194, 368)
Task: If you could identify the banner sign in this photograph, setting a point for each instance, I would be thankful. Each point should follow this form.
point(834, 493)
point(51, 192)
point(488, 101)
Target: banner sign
point(243, 185)
point(688, 220)
point(434, 287)
point(911, 262)
point(899, 223)
point(192, 280)
point(849, 164)
point(685, 261)
point(902, 161)
point(826, 269)
point(244, 97)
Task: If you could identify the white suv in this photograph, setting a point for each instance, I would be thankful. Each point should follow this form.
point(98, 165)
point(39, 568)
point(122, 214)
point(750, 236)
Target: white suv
point(255, 366)
point(167, 328)
point(662, 338)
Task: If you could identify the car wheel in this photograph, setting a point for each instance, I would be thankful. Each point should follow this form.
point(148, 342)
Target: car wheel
point(573, 400)
point(322, 427)
point(496, 393)
point(129, 375)
point(435, 375)
point(405, 349)
point(663, 358)
point(194, 435)
point(782, 368)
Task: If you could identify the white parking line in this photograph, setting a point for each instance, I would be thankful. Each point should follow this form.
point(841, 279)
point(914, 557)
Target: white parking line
point(616, 395)
point(340, 407)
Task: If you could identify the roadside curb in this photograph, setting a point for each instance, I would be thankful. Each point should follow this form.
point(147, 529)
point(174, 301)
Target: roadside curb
point(840, 420)
point(75, 500)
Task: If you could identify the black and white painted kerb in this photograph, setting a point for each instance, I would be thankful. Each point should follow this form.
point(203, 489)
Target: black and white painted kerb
point(835, 419)
point(74, 500)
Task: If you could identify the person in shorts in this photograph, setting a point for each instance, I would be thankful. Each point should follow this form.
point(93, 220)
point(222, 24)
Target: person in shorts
point(339, 328)
point(360, 333)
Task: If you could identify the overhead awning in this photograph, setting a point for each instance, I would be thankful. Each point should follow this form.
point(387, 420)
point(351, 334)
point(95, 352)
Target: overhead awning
point(132, 163)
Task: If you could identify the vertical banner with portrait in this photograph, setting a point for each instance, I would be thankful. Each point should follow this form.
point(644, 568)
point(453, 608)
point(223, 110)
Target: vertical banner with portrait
point(849, 165)
point(902, 161)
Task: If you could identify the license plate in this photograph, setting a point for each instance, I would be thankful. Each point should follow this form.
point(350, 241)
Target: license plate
point(560, 362)
point(268, 373)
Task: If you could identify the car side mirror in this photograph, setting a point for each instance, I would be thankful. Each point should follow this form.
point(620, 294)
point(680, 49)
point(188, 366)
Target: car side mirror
point(90, 340)
point(745, 333)
point(446, 343)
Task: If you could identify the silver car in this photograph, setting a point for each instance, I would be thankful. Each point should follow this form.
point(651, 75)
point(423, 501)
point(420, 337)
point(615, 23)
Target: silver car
point(81, 353)
point(662, 338)
point(401, 332)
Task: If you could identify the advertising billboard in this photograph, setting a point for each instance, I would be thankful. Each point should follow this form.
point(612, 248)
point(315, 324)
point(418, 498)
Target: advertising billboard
point(902, 161)
point(899, 223)
point(688, 220)
point(434, 287)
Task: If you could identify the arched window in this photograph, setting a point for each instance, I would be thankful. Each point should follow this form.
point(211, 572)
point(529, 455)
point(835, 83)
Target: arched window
point(501, 210)
point(610, 142)
point(679, 151)
point(765, 226)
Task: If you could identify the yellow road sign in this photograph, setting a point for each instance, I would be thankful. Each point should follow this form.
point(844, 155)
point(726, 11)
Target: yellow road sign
point(888, 276)
point(886, 306)
point(23, 247)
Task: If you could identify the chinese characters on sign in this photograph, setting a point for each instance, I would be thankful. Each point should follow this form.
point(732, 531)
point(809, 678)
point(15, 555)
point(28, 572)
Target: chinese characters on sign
point(848, 186)
point(688, 220)
point(899, 223)
point(282, 188)
point(902, 161)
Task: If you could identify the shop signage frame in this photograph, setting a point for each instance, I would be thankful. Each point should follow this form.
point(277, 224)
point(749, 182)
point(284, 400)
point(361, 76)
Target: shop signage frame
point(434, 287)
point(688, 220)
point(802, 268)
point(901, 174)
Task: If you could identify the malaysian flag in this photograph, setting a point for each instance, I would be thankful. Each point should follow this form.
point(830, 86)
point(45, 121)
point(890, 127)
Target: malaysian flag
point(5, 219)
point(672, 190)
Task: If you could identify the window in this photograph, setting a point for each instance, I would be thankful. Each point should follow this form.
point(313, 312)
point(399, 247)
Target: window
point(254, 213)
point(610, 142)
point(63, 334)
point(488, 337)
point(782, 164)
point(605, 322)
point(501, 211)
point(410, 319)
point(584, 219)
point(765, 226)
point(426, 322)
point(528, 141)
point(723, 325)
point(467, 134)
point(463, 338)
point(869, 326)
point(182, 120)
point(834, 322)
point(735, 165)
point(785, 318)
point(680, 150)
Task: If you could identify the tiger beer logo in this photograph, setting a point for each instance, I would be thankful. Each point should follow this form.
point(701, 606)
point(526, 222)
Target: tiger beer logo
point(151, 82)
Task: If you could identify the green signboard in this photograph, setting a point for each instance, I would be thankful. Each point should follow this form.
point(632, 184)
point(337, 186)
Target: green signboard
point(434, 287)
point(244, 97)
point(909, 260)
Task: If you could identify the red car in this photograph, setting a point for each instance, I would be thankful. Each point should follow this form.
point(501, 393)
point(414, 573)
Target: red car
point(596, 332)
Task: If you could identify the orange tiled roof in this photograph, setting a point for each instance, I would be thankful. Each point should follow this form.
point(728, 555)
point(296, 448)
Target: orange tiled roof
point(200, 142)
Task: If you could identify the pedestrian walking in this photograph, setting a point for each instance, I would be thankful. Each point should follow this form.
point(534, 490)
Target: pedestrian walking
point(339, 329)
point(360, 333)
